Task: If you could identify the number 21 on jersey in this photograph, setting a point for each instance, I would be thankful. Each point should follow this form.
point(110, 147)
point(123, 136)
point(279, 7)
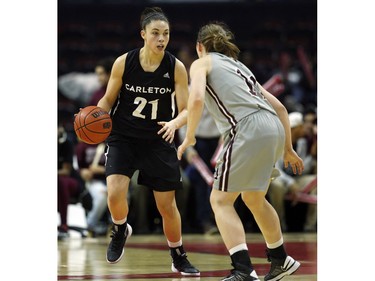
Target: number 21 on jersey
point(142, 103)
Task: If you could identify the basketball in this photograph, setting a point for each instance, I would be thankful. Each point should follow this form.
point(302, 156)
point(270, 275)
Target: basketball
point(92, 125)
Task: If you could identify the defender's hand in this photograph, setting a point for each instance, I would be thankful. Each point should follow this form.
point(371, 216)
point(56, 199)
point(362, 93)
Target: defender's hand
point(185, 144)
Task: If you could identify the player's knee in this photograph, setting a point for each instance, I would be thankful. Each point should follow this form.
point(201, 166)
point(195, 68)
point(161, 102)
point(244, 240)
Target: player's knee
point(168, 210)
point(217, 202)
point(254, 200)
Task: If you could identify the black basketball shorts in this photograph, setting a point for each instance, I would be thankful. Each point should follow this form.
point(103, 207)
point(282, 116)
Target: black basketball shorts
point(156, 161)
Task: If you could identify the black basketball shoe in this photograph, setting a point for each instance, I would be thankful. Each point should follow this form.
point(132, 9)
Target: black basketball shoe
point(181, 264)
point(241, 273)
point(281, 268)
point(119, 236)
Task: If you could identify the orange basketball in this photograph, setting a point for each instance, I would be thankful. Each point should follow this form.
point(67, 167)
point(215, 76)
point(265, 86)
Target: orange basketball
point(92, 125)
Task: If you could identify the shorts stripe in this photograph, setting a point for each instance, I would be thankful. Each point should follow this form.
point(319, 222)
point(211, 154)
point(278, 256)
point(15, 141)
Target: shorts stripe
point(223, 186)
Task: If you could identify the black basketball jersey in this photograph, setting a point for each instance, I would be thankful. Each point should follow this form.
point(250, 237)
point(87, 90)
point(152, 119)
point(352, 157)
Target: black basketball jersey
point(145, 98)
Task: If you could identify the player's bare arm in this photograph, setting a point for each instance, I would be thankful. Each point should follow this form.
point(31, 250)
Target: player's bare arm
point(114, 84)
point(290, 156)
point(281, 112)
point(181, 90)
point(198, 73)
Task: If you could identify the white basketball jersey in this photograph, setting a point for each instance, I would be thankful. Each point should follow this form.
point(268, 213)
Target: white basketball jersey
point(232, 92)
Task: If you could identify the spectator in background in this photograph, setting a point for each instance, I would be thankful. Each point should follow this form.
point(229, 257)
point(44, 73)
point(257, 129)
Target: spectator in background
point(78, 87)
point(310, 123)
point(288, 182)
point(68, 185)
point(293, 79)
point(103, 72)
point(91, 162)
point(93, 174)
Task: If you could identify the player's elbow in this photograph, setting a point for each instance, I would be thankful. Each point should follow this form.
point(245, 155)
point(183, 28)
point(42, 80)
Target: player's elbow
point(196, 102)
point(280, 109)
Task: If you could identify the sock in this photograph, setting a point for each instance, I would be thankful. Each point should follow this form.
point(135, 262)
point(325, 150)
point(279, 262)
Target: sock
point(276, 250)
point(241, 261)
point(120, 225)
point(237, 248)
point(175, 244)
point(119, 222)
point(176, 249)
point(276, 244)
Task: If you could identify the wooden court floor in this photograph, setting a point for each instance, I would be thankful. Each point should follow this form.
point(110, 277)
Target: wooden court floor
point(147, 258)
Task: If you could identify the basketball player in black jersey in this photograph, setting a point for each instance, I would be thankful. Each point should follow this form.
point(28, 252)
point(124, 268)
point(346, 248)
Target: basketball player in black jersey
point(146, 97)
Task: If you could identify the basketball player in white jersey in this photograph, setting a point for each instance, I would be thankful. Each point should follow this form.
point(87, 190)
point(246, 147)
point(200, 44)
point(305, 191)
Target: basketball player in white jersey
point(256, 132)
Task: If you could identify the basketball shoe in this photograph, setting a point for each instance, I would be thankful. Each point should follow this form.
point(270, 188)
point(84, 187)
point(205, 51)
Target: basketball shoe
point(281, 268)
point(181, 264)
point(119, 235)
point(241, 273)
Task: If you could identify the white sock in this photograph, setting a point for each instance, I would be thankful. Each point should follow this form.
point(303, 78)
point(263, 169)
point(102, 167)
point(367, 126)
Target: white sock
point(119, 222)
point(174, 244)
point(237, 248)
point(276, 244)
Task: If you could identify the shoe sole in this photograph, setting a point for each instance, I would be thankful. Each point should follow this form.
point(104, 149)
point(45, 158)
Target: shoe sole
point(253, 275)
point(130, 231)
point(184, 273)
point(290, 271)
